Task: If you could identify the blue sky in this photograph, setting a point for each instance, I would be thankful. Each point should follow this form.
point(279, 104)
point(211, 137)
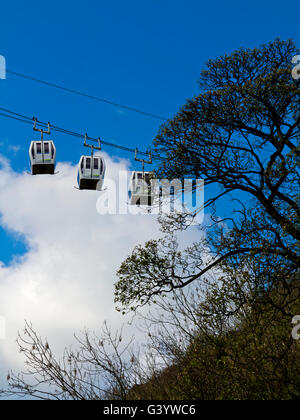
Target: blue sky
point(144, 54)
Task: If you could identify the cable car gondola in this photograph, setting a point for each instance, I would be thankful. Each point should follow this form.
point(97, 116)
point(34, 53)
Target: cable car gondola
point(140, 192)
point(91, 169)
point(42, 154)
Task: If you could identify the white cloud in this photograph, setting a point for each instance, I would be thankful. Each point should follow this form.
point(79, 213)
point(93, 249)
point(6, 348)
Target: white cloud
point(14, 148)
point(65, 280)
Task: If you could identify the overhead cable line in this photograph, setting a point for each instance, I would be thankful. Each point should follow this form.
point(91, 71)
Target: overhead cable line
point(28, 120)
point(96, 98)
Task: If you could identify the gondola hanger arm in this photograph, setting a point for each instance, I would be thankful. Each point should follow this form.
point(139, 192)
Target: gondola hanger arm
point(149, 161)
point(40, 129)
point(91, 146)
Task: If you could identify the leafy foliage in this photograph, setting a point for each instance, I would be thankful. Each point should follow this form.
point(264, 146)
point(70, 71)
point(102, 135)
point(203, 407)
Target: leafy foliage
point(241, 134)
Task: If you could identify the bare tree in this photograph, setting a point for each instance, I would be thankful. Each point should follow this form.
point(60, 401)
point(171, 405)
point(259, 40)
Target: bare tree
point(100, 368)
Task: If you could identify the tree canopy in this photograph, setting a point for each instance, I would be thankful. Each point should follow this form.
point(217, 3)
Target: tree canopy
point(241, 136)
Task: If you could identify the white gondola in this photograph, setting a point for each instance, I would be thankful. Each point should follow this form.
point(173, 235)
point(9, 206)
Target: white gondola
point(91, 170)
point(140, 192)
point(42, 154)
